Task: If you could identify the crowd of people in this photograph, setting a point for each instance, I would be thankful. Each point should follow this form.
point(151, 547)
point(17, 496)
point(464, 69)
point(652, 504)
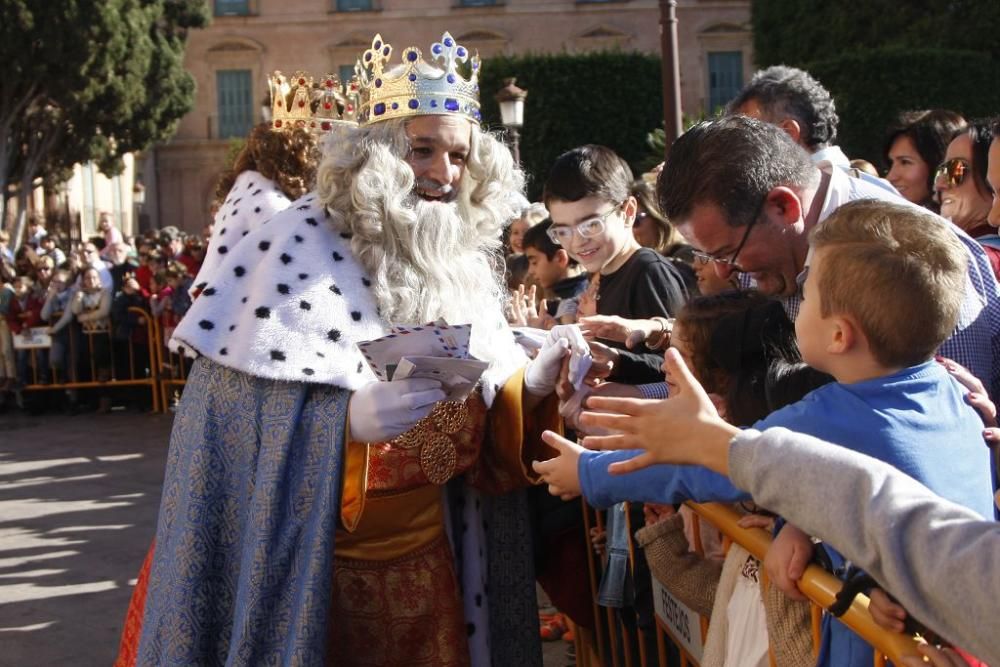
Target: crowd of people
point(79, 294)
point(312, 513)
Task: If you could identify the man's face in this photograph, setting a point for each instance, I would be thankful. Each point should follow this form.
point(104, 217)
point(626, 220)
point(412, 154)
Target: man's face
point(439, 149)
point(89, 253)
point(118, 253)
point(993, 178)
point(544, 270)
point(768, 253)
point(601, 252)
point(176, 245)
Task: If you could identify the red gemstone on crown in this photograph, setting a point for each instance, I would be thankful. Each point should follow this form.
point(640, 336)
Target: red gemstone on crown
point(350, 107)
point(302, 82)
point(280, 103)
point(327, 105)
point(325, 125)
point(277, 123)
point(329, 83)
point(302, 103)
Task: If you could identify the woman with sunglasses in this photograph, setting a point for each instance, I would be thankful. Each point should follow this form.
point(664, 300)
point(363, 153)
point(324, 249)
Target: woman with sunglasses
point(914, 146)
point(963, 192)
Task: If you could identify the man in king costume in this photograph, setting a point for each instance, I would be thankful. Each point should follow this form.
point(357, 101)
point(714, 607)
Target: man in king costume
point(312, 515)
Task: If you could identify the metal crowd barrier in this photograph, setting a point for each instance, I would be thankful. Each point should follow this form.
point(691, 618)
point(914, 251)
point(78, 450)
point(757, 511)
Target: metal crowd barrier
point(172, 370)
point(129, 375)
point(596, 647)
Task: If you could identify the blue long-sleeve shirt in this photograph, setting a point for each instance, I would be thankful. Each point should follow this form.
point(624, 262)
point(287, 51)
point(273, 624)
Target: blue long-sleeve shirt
point(916, 420)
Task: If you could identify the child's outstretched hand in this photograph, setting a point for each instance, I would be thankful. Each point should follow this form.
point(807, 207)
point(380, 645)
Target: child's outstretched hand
point(686, 428)
point(560, 473)
point(787, 559)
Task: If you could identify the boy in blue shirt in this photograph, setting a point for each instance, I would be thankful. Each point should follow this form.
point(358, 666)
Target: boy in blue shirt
point(883, 289)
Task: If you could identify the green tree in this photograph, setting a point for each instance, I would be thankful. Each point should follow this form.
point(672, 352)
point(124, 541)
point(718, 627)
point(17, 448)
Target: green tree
point(608, 98)
point(87, 80)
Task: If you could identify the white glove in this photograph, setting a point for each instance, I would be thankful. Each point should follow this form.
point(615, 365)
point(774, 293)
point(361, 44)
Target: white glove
point(542, 372)
point(580, 359)
point(382, 410)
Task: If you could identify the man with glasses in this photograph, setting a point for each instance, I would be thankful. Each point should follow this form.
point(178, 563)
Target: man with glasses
point(587, 194)
point(744, 194)
point(91, 258)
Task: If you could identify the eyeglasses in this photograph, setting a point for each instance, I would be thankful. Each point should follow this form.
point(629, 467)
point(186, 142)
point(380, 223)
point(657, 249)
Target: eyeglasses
point(588, 229)
point(730, 261)
point(953, 171)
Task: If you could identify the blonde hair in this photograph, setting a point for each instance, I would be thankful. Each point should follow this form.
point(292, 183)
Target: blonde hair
point(885, 263)
point(667, 236)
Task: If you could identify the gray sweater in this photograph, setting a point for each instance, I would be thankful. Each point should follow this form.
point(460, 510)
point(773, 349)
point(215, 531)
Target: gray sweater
point(939, 559)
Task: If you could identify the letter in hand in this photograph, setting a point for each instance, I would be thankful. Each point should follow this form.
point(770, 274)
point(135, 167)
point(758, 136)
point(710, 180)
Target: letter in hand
point(685, 428)
point(562, 472)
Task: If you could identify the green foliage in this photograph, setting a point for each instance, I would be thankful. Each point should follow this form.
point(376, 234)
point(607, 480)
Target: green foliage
point(795, 33)
point(872, 86)
point(606, 98)
point(89, 80)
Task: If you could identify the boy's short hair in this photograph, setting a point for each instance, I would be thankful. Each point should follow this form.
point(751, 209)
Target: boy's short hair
point(537, 237)
point(885, 264)
point(588, 171)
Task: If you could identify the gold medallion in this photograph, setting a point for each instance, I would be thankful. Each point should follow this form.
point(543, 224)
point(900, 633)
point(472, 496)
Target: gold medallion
point(438, 458)
point(450, 416)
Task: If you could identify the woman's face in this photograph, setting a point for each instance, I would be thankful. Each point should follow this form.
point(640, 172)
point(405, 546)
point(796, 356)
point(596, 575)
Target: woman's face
point(517, 230)
point(962, 203)
point(908, 172)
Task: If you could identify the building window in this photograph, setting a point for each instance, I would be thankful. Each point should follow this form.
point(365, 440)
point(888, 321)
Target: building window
point(346, 73)
point(725, 78)
point(235, 102)
point(477, 3)
point(354, 5)
point(232, 7)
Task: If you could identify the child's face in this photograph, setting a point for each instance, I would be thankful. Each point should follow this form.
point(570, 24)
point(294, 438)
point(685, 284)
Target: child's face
point(680, 342)
point(90, 280)
point(813, 332)
point(517, 230)
point(608, 228)
point(544, 270)
point(20, 287)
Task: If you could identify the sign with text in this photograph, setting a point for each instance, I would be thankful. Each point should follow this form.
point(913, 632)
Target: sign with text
point(33, 339)
point(680, 621)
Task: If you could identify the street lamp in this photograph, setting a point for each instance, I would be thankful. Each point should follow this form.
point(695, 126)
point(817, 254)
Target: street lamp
point(511, 101)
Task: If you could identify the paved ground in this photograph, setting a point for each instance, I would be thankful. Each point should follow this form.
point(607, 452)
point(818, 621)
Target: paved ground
point(78, 503)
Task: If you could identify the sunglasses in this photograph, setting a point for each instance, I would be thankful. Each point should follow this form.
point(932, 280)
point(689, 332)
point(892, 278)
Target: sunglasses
point(953, 171)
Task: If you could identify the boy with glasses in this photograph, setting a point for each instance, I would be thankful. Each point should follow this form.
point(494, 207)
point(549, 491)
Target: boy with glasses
point(587, 195)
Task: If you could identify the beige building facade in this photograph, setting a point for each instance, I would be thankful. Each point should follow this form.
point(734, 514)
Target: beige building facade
point(248, 39)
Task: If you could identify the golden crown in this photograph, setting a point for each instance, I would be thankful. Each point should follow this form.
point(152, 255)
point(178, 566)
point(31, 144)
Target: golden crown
point(417, 87)
point(315, 106)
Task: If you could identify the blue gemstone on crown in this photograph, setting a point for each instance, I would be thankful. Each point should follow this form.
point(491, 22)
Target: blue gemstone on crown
point(448, 42)
point(377, 44)
point(368, 57)
point(434, 104)
point(379, 109)
point(395, 105)
point(461, 52)
point(378, 83)
point(451, 78)
point(412, 56)
point(385, 52)
point(413, 104)
point(412, 77)
point(451, 105)
point(436, 49)
point(477, 115)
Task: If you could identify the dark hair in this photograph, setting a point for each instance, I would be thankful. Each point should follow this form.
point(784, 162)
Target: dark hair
point(588, 171)
point(537, 238)
point(789, 381)
point(287, 158)
point(930, 130)
point(784, 91)
point(980, 132)
point(732, 162)
point(735, 336)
